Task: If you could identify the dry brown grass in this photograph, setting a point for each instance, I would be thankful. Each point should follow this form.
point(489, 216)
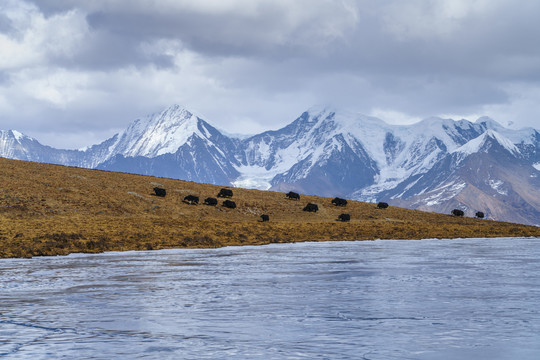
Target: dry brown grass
point(56, 210)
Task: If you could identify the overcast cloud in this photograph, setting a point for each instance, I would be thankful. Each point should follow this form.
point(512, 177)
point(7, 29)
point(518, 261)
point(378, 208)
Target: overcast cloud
point(73, 73)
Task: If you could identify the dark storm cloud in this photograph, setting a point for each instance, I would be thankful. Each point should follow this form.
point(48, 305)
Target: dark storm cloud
point(211, 34)
point(266, 61)
point(117, 39)
point(4, 77)
point(52, 7)
point(487, 43)
point(365, 45)
point(490, 45)
point(5, 24)
point(109, 51)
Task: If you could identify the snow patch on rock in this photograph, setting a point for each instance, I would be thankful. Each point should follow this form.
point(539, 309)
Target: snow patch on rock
point(444, 193)
point(497, 186)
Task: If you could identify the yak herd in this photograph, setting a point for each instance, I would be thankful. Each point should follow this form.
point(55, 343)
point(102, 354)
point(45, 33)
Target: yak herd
point(310, 207)
point(457, 212)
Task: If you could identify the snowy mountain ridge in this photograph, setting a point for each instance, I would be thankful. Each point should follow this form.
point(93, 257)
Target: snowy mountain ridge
point(158, 134)
point(478, 144)
point(325, 151)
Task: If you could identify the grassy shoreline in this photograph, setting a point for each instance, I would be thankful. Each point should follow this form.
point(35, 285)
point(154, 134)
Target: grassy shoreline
point(56, 210)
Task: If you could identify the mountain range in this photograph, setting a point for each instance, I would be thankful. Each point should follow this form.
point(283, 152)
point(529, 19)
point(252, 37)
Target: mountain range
point(433, 165)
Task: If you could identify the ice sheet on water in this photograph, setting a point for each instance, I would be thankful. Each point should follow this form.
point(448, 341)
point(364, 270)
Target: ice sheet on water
point(430, 299)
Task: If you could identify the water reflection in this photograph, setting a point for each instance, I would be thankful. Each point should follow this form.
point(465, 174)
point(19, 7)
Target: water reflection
point(374, 300)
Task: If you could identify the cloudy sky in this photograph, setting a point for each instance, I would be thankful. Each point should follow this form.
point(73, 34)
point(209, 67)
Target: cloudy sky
point(73, 73)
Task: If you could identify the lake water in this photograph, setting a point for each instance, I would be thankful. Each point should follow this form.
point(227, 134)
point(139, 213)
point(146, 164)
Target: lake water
point(428, 299)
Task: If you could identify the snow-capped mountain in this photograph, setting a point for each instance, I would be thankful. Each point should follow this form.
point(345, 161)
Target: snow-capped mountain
point(317, 153)
point(341, 153)
point(174, 143)
point(489, 173)
point(15, 145)
point(161, 133)
point(435, 165)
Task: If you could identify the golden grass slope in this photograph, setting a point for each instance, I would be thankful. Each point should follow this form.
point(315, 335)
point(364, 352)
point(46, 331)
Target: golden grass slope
point(55, 210)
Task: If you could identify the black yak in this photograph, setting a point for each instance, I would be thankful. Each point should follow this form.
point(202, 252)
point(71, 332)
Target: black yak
point(160, 191)
point(191, 200)
point(479, 215)
point(225, 193)
point(382, 205)
point(311, 207)
point(457, 212)
point(344, 217)
point(339, 202)
point(265, 218)
point(229, 204)
point(210, 201)
point(292, 195)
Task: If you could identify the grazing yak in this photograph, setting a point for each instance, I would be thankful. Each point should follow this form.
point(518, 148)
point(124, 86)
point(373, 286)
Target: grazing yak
point(225, 193)
point(344, 217)
point(265, 218)
point(479, 215)
point(311, 207)
point(457, 212)
point(210, 201)
point(191, 200)
point(382, 205)
point(229, 204)
point(160, 192)
point(339, 202)
point(292, 195)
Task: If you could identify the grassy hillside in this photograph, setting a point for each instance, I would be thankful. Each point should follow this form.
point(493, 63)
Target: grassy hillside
point(50, 210)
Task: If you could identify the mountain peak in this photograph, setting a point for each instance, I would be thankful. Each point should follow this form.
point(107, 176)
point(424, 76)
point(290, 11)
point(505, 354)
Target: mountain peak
point(321, 108)
point(18, 136)
point(488, 122)
point(173, 115)
point(479, 144)
point(435, 122)
point(160, 133)
point(318, 113)
point(345, 120)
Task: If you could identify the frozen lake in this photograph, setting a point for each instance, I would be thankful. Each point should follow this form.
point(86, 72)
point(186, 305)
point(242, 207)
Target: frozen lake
point(429, 299)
